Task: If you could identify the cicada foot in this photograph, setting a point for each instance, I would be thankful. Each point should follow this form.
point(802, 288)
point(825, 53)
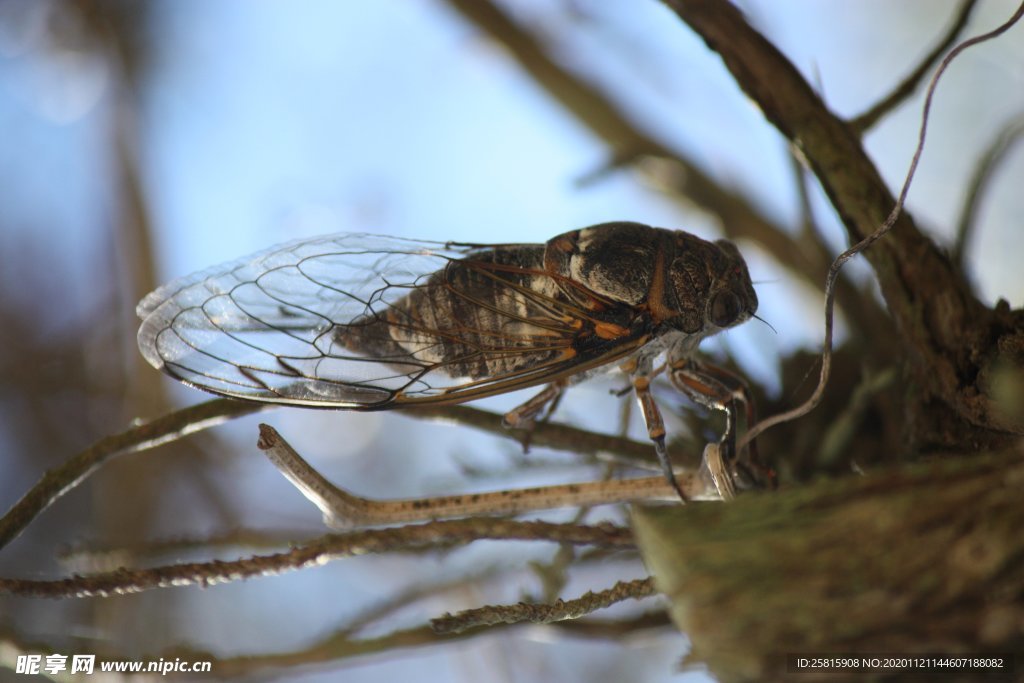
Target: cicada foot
point(720, 389)
point(744, 472)
point(715, 469)
point(666, 467)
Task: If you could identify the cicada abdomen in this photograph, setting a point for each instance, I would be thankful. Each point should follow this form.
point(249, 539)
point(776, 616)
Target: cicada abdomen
point(493, 313)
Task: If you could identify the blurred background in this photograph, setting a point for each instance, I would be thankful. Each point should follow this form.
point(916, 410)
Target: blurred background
point(144, 141)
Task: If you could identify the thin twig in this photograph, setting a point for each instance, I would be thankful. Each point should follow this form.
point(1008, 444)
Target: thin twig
point(541, 613)
point(316, 553)
point(909, 84)
point(342, 509)
point(378, 612)
point(61, 479)
point(546, 434)
point(986, 168)
point(96, 557)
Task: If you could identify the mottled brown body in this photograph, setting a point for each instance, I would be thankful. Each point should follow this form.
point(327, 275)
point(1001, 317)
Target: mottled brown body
point(505, 310)
point(460, 317)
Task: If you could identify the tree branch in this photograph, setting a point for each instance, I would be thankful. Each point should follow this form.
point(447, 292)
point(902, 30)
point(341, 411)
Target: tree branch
point(541, 613)
point(553, 435)
point(315, 553)
point(944, 328)
point(342, 509)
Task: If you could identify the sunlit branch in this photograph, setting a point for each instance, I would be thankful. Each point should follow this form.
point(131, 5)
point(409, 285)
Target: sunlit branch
point(877, 234)
point(542, 613)
point(341, 509)
point(95, 557)
point(316, 553)
point(906, 88)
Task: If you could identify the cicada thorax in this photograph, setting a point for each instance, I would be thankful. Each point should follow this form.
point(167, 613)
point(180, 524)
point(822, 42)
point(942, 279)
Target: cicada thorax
point(663, 274)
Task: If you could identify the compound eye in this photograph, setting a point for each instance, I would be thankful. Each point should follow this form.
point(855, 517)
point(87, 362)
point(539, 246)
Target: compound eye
point(725, 308)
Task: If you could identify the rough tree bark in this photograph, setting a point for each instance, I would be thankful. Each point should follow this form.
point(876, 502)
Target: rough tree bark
point(964, 358)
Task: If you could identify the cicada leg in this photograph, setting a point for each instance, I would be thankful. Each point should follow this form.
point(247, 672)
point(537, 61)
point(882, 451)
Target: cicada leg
point(655, 428)
point(525, 416)
point(720, 389)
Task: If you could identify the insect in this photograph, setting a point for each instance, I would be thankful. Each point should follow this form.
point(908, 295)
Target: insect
point(366, 322)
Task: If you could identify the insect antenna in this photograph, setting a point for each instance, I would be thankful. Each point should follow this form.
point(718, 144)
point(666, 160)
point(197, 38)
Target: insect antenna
point(757, 317)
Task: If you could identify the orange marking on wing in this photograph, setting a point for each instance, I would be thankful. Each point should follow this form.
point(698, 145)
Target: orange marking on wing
point(610, 330)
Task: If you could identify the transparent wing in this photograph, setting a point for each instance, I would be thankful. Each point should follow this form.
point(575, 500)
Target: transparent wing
point(370, 322)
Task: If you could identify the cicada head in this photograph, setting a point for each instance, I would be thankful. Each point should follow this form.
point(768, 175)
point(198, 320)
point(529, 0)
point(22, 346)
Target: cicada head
point(708, 286)
point(732, 298)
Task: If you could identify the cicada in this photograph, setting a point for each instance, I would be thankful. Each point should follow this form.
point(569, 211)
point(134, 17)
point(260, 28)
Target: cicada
point(365, 322)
